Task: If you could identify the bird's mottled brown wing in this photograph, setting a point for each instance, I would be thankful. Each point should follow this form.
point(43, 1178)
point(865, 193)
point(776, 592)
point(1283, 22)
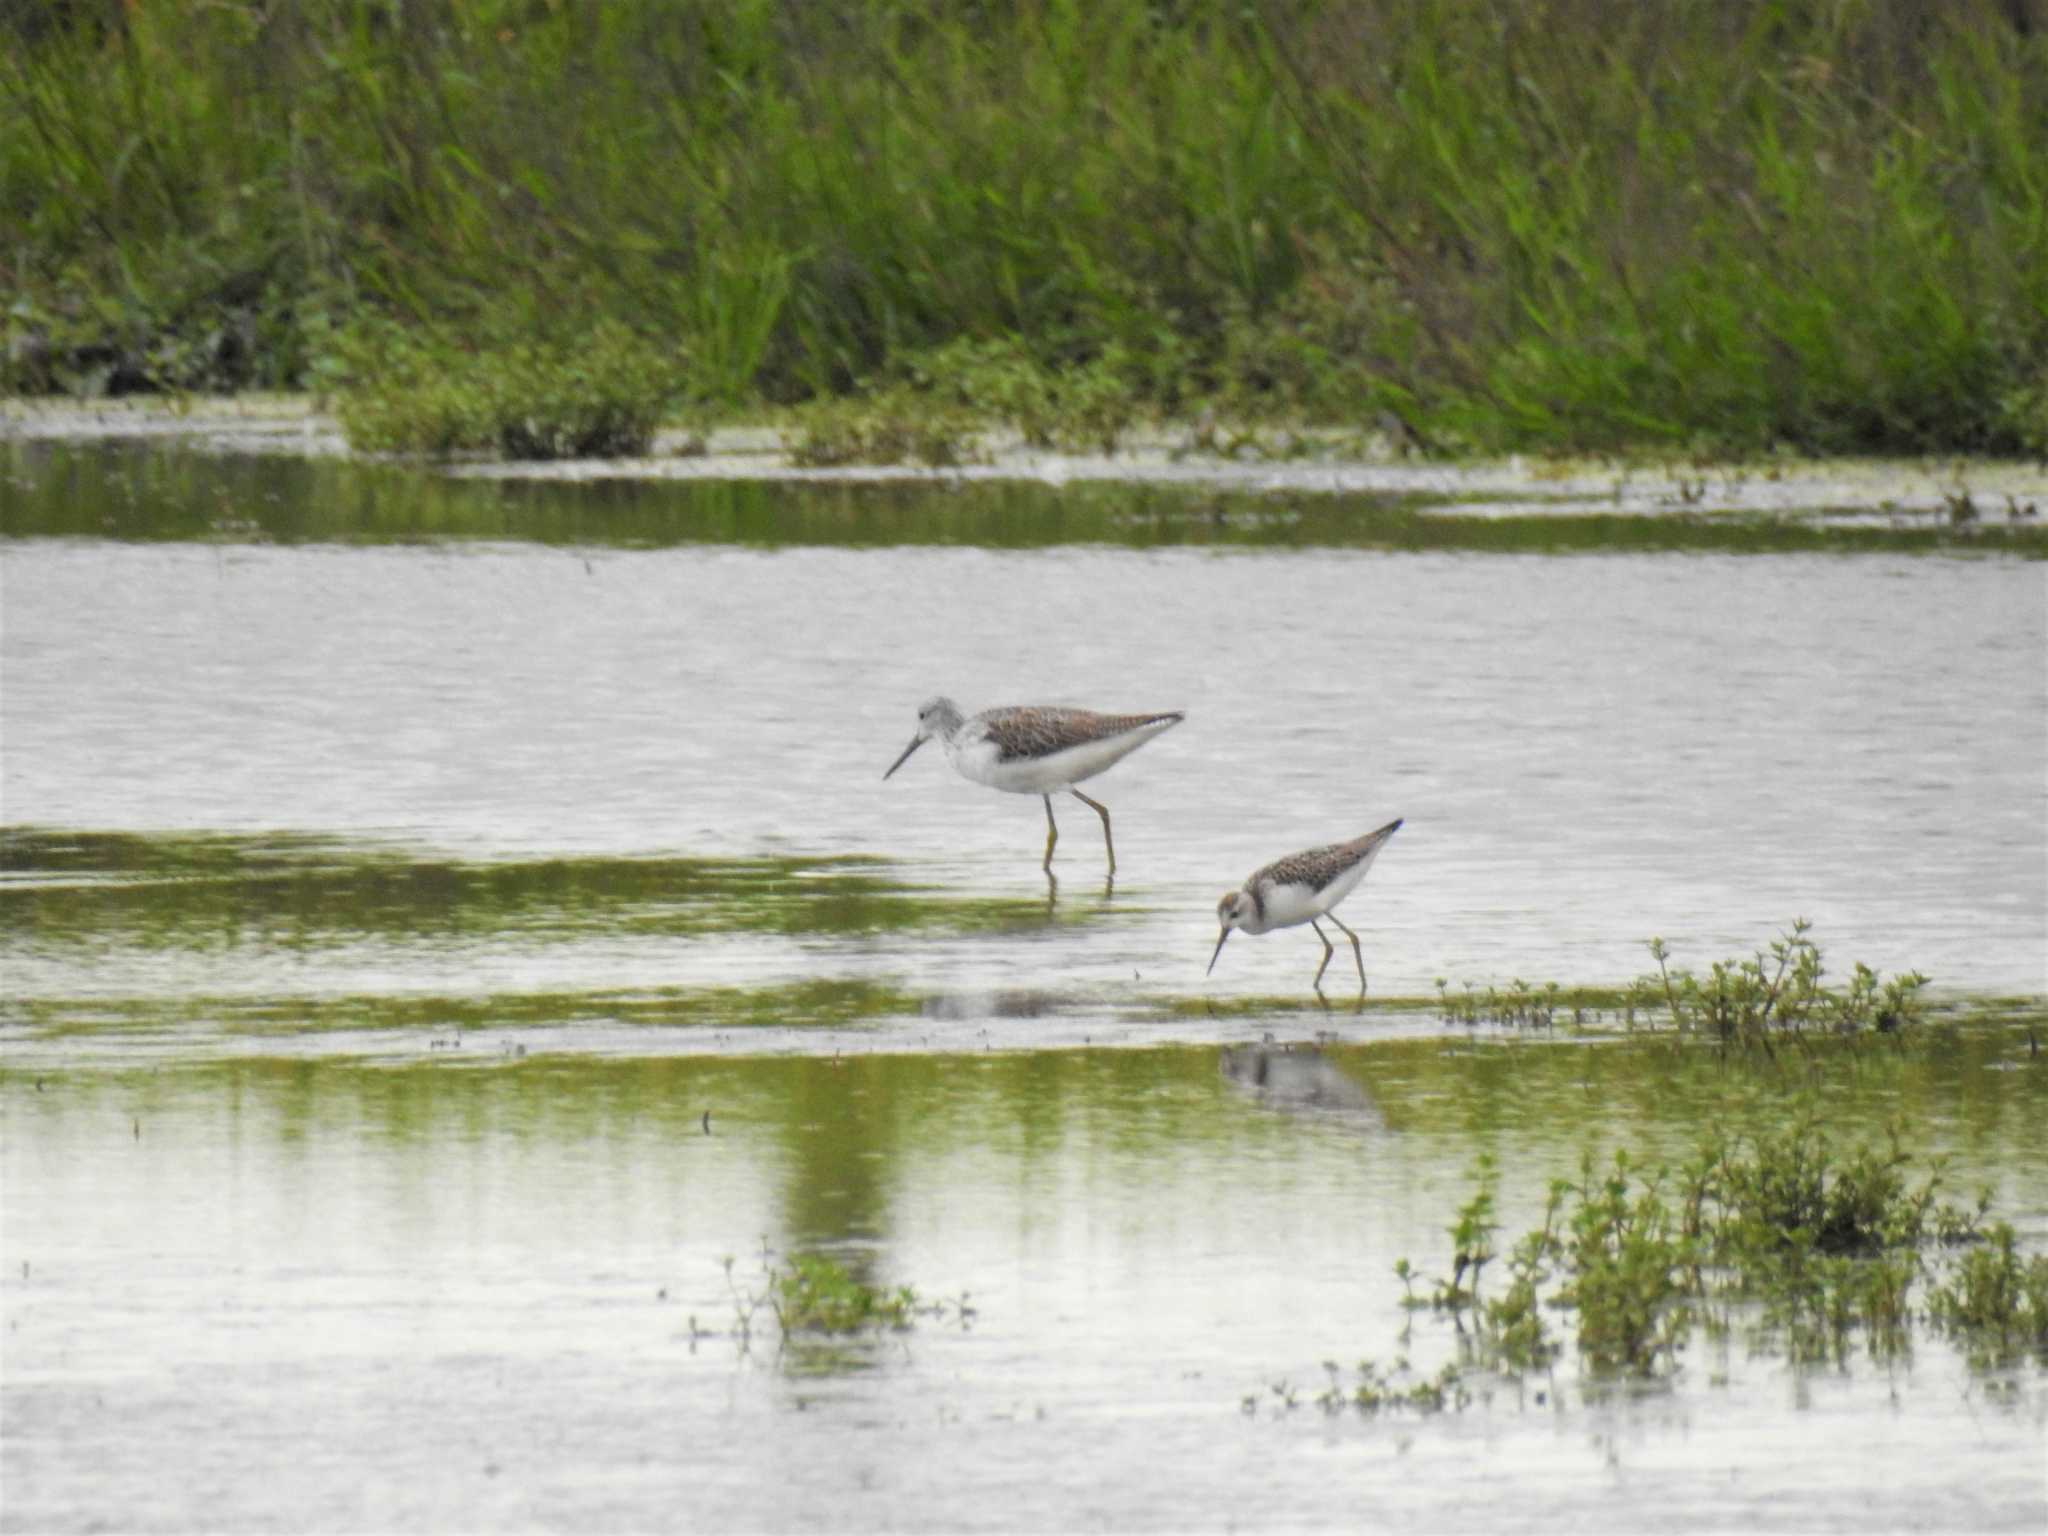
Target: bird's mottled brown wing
point(1317, 867)
point(1312, 867)
point(1039, 731)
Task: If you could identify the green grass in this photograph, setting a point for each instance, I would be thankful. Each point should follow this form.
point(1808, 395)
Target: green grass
point(1558, 223)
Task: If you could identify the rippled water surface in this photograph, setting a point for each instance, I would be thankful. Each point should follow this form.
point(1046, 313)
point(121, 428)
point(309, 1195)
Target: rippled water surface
point(397, 873)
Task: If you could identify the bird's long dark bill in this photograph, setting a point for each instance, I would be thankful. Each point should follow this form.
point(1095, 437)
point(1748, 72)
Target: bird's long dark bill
point(1219, 950)
point(915, 743)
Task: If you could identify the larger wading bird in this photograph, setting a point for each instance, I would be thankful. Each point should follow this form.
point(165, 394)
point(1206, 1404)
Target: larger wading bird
point(1032, 750)
point(1301, 888)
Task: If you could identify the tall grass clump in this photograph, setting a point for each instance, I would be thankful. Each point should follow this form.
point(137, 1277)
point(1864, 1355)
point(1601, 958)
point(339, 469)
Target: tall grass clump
point(1550, 223)
point(1759, 223)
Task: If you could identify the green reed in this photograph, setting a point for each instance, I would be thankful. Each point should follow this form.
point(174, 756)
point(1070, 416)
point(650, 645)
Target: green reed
point(1558, 223)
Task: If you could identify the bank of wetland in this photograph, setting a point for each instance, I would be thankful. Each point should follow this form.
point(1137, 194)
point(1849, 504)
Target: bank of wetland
point(1558, 225)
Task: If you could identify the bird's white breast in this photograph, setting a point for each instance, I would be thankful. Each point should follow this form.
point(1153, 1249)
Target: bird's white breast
point(976, 757)
point(1287, 904)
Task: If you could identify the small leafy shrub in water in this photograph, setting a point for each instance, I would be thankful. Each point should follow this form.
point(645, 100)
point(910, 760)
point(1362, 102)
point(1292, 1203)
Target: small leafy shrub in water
point(1621, 1255)
point(811, 1295)
point(1085, 408)
point(1793, 1192)
point(889, 427)
point(1380, 1389)
point(1781, 990)
point(1521, 1006)
point(1996, 1301)
point(598, 394)
point(819, 1293)
point(1822, 1247)
point(1625, 1259)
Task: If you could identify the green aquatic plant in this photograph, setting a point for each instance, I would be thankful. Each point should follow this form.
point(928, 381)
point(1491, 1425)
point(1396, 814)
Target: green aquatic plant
point(1077, 408)
point(1777, 991)
point(1507, 1329)
point(1795, 1191)
point(1816, 1249)
point(814, 1296)
point(597, 392)
point(889, 427)
point(1471, 1242)
point(1383, 1389)
point(1520, 1006)
point(937, 409)
point(201, 891)
point(1624, 1262)
point(814, 1291)
point(1996, 1301)
point(1379, 1389)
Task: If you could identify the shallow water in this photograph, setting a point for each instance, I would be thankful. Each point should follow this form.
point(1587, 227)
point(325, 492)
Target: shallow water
point(319, 1294)
point(1588, 751)
point(397, 871)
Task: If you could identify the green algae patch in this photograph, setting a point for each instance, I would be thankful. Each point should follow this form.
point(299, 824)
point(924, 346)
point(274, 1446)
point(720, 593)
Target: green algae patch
point(817, 1004)
point(199, 891)
point(151, 492)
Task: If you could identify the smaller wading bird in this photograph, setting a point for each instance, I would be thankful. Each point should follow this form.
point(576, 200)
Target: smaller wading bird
point(1034, 751)
point(1301, 888)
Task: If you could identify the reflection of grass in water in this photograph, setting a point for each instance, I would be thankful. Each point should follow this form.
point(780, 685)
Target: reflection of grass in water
point(1973, 1088)
point(202, 891)
point(159, 494)
point(814, 1004)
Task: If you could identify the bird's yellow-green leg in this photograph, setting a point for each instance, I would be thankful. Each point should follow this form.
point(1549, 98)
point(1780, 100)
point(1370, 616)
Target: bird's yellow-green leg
point(1328, 950)
point(1052, 832)
point(1102, 811)
point(1356, 953)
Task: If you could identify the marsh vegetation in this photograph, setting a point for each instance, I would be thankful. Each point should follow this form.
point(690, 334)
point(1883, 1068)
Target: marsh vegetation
point(1558, 224)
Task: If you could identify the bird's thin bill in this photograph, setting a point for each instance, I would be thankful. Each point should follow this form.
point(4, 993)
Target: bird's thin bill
point(915, 743)
point(1218, 950)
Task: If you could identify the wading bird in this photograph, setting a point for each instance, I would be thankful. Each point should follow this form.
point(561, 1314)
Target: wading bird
point(1034, 750)
point(1301, 888)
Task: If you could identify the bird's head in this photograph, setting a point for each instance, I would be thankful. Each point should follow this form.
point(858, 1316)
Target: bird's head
point(935, 717)
point(1233, 911)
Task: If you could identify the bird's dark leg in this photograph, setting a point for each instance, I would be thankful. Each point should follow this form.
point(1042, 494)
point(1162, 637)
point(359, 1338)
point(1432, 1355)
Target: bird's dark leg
point(1052, 832)
point(1102, 811)
point(1329, 949)
point(1356, 953)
